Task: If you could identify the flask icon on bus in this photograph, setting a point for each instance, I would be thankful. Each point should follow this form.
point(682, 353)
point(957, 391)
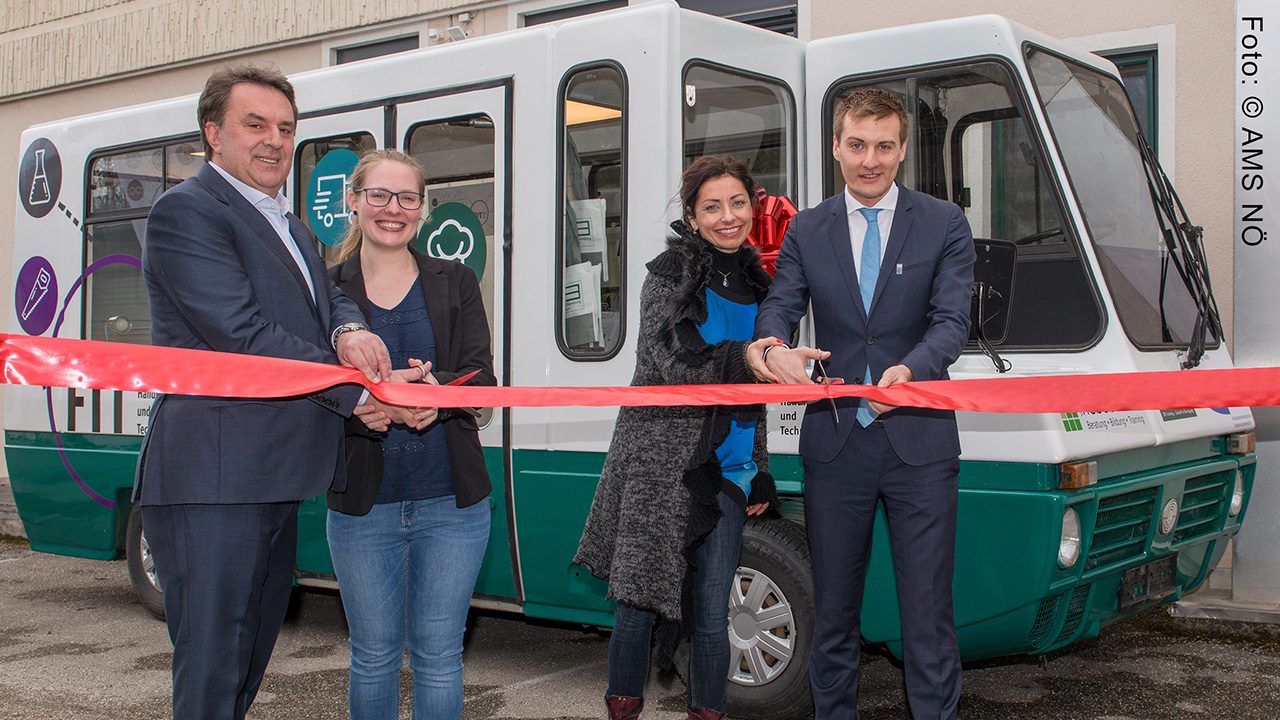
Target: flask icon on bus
point(326, 207)
point(40, 193)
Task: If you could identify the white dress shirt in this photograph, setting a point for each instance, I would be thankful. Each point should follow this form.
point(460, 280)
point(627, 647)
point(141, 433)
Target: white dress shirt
point(275, 210)
point(858, 223)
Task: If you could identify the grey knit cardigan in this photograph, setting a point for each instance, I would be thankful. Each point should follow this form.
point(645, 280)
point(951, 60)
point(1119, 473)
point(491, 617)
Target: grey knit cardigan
point(656, 499)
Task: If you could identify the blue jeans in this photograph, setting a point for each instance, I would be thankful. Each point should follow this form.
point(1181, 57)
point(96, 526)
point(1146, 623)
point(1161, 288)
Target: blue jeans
point(715, 562)
point(406, 571)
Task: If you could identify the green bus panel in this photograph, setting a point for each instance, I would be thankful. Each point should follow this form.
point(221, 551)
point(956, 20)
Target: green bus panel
point(58, 516)
point(553, 492)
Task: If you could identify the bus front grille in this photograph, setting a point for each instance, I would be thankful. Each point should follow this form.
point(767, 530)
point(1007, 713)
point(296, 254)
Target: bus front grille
point(1122, 526)
point(1203, 500)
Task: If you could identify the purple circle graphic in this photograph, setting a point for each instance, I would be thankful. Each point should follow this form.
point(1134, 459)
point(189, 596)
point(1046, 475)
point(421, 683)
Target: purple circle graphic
point(48, 392)
point(35, 298)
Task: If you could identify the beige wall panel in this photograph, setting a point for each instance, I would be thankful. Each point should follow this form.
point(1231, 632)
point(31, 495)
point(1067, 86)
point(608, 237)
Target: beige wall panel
point(48, 44)
point(1203, 88)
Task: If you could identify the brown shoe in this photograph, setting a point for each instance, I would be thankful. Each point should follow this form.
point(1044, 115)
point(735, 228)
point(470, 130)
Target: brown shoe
point(705, 714)
point(622, 707)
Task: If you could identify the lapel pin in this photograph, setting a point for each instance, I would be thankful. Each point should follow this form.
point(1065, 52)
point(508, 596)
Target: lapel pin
point(897, 269)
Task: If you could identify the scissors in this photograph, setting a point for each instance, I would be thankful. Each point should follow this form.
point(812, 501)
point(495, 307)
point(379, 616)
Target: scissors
point(826, 380)
point(464, 378)
point(474, 412)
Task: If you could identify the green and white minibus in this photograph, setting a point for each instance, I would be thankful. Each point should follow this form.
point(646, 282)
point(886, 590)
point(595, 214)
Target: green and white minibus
point(553, 154)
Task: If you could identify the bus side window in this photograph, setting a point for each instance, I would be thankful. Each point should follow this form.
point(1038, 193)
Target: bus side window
point(969, 143)
point(750, 117)
point(122, 188)
point(307, 156)
point(592, 242)
point(457, 155)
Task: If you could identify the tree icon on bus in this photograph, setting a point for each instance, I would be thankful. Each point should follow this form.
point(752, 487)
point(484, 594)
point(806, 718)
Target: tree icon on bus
point(324, 204)
point(451, 234)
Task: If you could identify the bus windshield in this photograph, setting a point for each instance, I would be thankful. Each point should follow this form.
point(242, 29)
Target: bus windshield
point(1098, 136)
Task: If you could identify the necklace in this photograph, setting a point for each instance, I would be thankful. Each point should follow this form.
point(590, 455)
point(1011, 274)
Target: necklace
point(724, 277)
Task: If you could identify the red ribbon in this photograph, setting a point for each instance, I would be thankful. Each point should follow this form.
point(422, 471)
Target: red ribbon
point(92, 364)
point(769, 225)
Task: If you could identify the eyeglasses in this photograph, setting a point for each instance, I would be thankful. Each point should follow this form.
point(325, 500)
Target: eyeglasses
point(381, 197)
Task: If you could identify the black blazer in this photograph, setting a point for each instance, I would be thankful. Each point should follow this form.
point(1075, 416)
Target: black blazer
point(462, 345)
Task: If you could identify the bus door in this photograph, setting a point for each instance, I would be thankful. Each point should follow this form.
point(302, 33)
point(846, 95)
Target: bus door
point(328, 145)
point(748, 108)
point(461, 137)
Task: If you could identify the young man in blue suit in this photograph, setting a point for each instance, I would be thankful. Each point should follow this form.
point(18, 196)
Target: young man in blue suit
point(228, 268)
point(887, 271)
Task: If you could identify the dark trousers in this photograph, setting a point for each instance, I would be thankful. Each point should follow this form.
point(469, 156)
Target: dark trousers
point(715, 562)
point(226, 572)
point(920, 508)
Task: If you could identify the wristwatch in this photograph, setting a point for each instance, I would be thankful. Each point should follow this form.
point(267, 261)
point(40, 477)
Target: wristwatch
point(345, 328)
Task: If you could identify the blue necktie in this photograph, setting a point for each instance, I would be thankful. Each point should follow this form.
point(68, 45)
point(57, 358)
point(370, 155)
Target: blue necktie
point(867, 276)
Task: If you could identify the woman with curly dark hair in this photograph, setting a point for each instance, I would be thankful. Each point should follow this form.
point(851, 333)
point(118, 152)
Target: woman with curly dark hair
point(665, 526)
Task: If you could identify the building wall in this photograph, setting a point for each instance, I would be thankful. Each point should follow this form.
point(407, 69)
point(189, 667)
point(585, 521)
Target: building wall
point(51, 43)
point(1200, 37)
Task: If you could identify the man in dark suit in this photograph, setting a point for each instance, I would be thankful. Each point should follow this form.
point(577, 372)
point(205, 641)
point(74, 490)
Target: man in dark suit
point(227, 268)
point(887, 271)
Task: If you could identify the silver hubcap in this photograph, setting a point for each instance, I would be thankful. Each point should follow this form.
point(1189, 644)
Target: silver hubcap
point(148, 563)
point(762, 629)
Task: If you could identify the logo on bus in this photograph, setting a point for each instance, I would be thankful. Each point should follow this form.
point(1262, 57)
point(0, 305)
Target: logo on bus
point(35, 298)
point(39, 178)
point(453, 232)
point(326, 206)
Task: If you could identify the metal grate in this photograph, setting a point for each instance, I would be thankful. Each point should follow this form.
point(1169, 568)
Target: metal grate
point(1075, 614)
point(1044, 621)
point(1203, 501)
point(1122, 526)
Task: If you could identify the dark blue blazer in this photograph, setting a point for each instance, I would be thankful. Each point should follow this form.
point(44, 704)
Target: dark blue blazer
point(919, 317)
point(219, 278)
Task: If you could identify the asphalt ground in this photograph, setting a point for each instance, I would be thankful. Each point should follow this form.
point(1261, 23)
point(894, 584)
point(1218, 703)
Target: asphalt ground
point(74, 644)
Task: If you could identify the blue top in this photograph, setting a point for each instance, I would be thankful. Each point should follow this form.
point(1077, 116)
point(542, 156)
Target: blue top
point(729, 320)
point(416, 462)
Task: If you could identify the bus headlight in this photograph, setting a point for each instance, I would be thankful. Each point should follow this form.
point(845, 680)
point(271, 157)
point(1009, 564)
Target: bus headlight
point(1069, 545)
point(1237, 496)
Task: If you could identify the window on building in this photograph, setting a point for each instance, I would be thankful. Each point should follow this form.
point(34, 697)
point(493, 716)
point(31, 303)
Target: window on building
point(592, 236)
point(121, 190)
point(1138, 74)
point(542, 17)
point(747, 116)
point(774, 15)
point(378, 48)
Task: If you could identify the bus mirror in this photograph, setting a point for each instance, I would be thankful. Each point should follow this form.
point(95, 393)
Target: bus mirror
point(992, 290)
point(991, 296)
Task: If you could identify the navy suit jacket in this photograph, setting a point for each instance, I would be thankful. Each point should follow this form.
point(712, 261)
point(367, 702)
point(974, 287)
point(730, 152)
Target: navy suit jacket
point(919, 316)
point(219, 278)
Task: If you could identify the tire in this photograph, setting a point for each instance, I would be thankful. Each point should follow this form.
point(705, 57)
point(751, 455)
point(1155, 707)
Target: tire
point(142, 570)
point(771, 615)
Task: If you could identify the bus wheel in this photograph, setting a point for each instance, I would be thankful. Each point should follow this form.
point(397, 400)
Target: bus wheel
point(142, 568)
point(771, 623)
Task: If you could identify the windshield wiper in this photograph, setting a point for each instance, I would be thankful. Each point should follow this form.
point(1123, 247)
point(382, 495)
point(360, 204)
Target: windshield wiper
point(1185, 245)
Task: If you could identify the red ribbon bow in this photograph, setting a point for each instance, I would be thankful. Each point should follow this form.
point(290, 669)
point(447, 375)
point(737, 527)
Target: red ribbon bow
point(769, 225)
